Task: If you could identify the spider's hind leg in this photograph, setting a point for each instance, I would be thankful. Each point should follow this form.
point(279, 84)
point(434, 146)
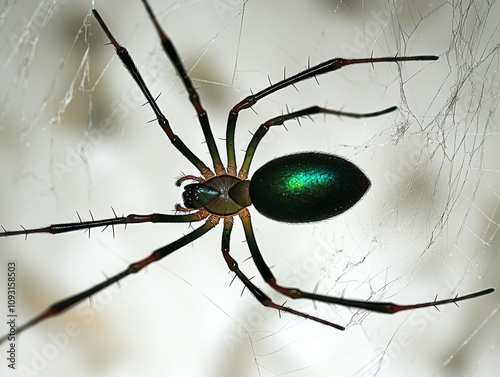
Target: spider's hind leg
point(280, 120)
point(319, 69)
point(295, 293)
point(155, 256)
point(256, 292)
point(122, 220)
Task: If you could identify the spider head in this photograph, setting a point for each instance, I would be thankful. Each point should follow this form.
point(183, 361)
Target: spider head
point(223, 195)
point(198, 195)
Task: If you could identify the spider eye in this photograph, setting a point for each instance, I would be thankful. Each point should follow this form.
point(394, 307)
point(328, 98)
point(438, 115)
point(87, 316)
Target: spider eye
point(198, 195)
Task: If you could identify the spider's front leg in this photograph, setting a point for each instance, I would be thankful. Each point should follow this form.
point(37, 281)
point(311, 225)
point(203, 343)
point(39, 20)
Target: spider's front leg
point(128, 62)
point(194, 98)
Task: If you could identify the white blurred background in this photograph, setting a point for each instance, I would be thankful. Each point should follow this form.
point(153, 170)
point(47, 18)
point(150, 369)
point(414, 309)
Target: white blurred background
point(74, 137)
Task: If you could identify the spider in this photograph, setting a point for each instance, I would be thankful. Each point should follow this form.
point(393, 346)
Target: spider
point(298, 188)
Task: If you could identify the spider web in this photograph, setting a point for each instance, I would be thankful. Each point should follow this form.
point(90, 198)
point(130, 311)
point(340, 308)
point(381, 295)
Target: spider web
point(74, 137)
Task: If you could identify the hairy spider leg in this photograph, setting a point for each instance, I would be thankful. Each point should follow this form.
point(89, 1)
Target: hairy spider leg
point(320, 69)
point(158, 254)
point(171, 52)
point(295, 293)
point(162, 120)
point(129, 219)
point(279, 120)
point(256, 292)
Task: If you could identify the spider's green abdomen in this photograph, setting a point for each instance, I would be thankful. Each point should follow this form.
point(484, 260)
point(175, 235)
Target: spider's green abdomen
point(307, 187)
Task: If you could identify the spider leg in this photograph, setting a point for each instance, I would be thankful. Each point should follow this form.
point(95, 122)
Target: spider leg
point(258, 293)
point(129, 219)
point(381, 307)
point(322, 68)
point(171, 52)
point(158, 254)
point(279, 120)
point(162, 120)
